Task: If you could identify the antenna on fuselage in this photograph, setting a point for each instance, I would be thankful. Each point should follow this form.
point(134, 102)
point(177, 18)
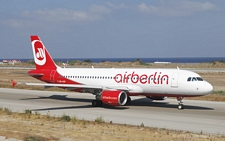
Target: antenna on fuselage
point(178, 68)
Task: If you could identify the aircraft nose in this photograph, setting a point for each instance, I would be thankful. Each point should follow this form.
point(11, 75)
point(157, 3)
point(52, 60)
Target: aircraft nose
point(208, 88)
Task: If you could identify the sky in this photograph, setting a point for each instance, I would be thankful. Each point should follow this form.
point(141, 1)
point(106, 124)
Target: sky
point(113, 29)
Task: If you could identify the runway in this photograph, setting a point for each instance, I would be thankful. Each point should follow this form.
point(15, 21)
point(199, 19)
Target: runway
point(198, 116)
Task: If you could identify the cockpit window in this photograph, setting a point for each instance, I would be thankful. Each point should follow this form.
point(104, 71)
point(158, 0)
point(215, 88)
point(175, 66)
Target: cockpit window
point(199, 79)
point(194, 79)
point(189, 79)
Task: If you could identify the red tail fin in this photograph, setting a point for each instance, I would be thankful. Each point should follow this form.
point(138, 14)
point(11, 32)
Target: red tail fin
point(42, 58)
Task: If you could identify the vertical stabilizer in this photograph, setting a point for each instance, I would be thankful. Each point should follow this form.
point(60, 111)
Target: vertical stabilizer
point(42, 58)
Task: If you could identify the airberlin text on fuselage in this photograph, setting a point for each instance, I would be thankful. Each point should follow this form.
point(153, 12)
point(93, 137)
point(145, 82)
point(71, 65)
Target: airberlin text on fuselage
point(155, 78)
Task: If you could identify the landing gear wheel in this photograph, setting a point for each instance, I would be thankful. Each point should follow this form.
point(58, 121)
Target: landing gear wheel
point(180, 103)
point(181, 106)
point(96, 103)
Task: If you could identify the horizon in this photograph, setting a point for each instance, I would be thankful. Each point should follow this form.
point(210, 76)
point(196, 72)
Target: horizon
point(146, 60)
point(113, 58)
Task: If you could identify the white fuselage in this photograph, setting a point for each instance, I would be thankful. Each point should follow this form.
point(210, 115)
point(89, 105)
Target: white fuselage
point(159, 82)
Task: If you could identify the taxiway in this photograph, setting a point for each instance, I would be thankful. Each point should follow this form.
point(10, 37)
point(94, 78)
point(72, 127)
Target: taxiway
point(198, 116)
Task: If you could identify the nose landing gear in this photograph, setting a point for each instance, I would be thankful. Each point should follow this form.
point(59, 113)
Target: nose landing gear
point(180, 103)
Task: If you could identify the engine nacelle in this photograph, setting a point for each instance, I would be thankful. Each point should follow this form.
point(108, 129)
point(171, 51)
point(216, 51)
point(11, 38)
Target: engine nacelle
point(114, 97)
point(157, 97)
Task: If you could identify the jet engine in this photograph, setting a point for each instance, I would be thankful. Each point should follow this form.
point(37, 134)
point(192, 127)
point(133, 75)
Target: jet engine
point(157, 97)
point(114, 97)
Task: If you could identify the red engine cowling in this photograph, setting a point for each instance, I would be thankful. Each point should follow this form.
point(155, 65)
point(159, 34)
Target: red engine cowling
point(114, 97)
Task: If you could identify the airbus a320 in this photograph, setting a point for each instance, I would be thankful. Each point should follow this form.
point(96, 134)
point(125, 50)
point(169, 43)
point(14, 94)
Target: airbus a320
point(115, 86)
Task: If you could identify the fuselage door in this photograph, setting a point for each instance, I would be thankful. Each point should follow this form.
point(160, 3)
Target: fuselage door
point(174, 81)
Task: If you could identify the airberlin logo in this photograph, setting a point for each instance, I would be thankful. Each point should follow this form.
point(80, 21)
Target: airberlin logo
point(39, 52)
point(157, 78)
point(109, 98)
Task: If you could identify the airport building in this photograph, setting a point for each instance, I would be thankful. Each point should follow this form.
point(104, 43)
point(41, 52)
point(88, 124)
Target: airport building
point(10, 62)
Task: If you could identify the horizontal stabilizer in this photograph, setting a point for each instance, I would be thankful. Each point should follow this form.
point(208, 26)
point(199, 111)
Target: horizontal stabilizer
point(36, 74)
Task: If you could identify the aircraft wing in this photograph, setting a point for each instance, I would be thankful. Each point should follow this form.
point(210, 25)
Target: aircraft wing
point(114, 87)
point(63, 85)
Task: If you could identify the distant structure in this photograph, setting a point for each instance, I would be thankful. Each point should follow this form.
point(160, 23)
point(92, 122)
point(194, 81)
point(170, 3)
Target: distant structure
point(157, 62)
point(10, 62)
point(65, 64)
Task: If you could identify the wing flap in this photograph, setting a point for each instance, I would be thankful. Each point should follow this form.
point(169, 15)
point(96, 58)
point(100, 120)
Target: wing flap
point(124, 88)
point(129, 88)
point(63, 85)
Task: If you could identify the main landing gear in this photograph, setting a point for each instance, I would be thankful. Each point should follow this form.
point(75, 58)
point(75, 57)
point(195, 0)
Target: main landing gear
point(97, 103)
point(180, 103)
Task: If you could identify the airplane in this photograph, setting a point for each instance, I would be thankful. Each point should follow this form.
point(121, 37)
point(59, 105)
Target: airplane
point(114, 86)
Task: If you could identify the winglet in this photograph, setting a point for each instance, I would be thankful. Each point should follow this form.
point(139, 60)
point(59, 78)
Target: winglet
point(13, 83)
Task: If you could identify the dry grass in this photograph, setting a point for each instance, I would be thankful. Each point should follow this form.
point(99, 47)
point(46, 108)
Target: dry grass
point(150, 65)
point(25, 125)
point(134, 64)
